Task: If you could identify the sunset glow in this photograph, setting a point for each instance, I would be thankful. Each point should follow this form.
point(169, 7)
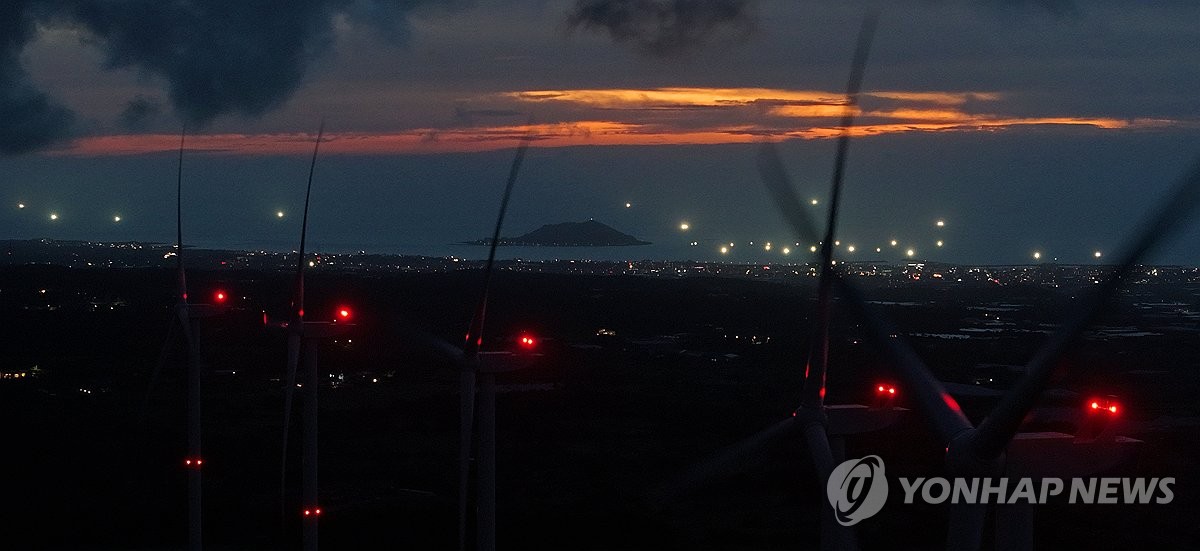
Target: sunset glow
point(655, 116)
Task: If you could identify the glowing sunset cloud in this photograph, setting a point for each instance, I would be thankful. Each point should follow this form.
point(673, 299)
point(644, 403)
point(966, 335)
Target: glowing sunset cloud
point(941, 98)
point(658, 116)
point(414, 141)
point(674, 97)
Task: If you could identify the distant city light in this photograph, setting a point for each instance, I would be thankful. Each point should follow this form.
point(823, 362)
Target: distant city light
point(279, 214)
point(941, 223)
point(628, 205)
point(1037, 255)
point(731, 244)
point(54, 216)
point(812, 249)
point(850, 249)
point(814, 201)
point(1097, 254)
point(837, 243)
point(767, 246)
point(787, 250)
point(116, 218)
point(311, 263)
point(939, 243)
point(910, 252)
point(878, 249)
point(20, 205)
point(683, 226)
point(894, 242)
point(724, 250)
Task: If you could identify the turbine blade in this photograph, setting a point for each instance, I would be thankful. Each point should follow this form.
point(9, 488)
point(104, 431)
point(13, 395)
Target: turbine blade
point(475, 332)
point(298, 299)
point(181, 290)
point(289, 390)
point(722, 462)
point(474, 339)
point(833, 534)
point(783, 193)
point(939, 408)
point(814, 381)
point(998, 428)
point(296, 329)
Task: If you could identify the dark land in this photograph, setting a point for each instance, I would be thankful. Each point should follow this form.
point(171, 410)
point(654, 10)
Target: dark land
point(588, 233)
point(588, 439)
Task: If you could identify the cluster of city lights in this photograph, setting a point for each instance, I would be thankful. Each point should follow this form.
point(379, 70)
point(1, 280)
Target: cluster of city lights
point(849, 248)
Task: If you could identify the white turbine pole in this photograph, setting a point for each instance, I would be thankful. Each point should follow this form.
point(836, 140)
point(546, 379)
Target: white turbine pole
point(311, 504)
point(486, 469)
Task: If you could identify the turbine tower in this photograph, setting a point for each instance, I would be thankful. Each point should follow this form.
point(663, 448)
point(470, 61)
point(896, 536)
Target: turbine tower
point(470, 368)
point(303, 341)
point(186, 321)
point(994, 448)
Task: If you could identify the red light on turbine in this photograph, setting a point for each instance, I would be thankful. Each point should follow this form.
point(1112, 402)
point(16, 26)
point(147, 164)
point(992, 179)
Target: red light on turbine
point(220, 296)
point(318, 511)
point(307, 512)
point(527, 341)
point(880, 388)
point(888, 390)
point(1108, 405)
point(343, 313)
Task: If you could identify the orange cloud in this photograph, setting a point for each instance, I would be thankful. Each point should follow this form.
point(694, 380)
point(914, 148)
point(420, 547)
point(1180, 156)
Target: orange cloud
point(426, 140)
point(669, 97)
point(941, 98)
point(599, 117)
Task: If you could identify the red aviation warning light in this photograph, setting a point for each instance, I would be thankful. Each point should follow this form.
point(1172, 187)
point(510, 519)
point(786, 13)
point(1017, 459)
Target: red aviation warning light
point(220, 296)
point(1106, 405)
point(343, 313)
point(527, 341)
point(193, 463)
point(885, 394)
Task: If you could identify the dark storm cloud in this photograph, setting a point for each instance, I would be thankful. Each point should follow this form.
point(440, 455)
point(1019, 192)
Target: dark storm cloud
point(664, 27)
point(29, 119)
point(222, 56)
point(217, 57)
point(140, 111)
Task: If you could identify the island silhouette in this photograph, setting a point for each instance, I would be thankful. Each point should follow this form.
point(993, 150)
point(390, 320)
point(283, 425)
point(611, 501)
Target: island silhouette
point(589, 233)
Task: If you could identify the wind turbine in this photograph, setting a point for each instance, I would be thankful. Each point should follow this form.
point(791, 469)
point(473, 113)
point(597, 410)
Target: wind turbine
point(970, 451)
point(186, 322)
point(981, 451)
point(303, 341)
point(470, 366)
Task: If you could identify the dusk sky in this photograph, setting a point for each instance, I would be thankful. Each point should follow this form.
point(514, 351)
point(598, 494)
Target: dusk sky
point(1025, 126)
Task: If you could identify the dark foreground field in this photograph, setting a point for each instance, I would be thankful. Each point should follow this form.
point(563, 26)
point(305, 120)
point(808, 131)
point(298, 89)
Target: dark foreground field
point(589, 445)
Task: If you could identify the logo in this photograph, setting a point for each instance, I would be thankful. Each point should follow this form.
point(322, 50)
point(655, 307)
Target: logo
point(857, 489)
